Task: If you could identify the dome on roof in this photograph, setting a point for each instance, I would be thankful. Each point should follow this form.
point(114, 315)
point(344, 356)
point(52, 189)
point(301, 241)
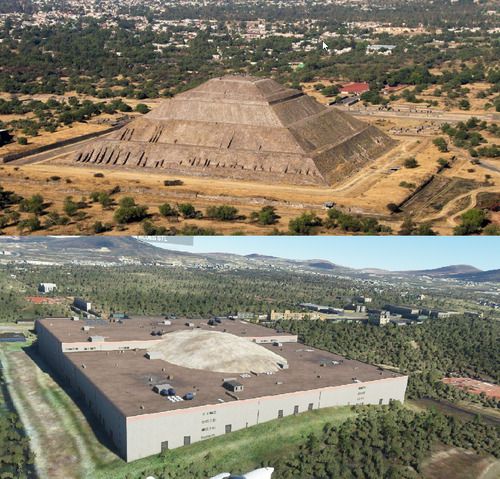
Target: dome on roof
point(216, 351)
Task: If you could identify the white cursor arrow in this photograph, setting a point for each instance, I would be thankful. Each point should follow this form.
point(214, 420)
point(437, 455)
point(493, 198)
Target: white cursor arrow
point(325, 47)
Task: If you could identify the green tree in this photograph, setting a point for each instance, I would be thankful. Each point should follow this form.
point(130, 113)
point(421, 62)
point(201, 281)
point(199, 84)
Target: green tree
point(472, 222)
point(304, 224)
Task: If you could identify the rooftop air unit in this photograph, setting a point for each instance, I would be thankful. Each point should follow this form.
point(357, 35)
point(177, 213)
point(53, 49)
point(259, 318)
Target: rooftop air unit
point(233, 386)
point(96, 339)
point(154, 355)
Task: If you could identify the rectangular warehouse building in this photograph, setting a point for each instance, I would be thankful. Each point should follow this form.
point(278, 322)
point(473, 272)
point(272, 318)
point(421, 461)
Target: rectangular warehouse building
point(156, 384)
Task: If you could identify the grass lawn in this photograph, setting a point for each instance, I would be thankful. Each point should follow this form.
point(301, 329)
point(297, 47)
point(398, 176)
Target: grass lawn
point(238, 452)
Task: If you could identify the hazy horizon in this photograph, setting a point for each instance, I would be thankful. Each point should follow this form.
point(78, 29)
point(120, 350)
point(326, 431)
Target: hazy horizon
point(389, 253)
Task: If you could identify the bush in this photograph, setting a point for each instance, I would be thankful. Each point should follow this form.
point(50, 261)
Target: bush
point(443, 163)
point(168, 211)
point(441, 144)
point(53, 218)
point(354, 224)
point(473, 221)
point(304, 224)
point(411, 163)
point(266, 216)
point(187, 210)
point(98, 175)
point(142, 108)
point(193, 230)
point(22, 140)
point(129, 212)
point(69, 206)
point(222, 213)
point(32, 205)
point(99, 227)
point(150, 229)
point(30, 224)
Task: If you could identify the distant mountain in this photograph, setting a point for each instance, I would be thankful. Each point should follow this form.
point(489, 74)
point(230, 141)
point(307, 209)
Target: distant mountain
point(481, 276)
point(126, 250)
point(446, 271)
point(322, 265)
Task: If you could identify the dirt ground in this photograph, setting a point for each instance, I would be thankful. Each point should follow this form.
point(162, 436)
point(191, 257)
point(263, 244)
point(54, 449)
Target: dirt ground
point(458, 463)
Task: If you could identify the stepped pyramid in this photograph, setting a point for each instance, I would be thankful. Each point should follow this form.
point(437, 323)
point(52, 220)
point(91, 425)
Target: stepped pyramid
point(243, 128)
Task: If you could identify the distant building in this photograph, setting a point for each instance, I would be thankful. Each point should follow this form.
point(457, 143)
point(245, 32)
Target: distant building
point(45, 288)
point(380, 49)
point(356, 88)
point(82, 304)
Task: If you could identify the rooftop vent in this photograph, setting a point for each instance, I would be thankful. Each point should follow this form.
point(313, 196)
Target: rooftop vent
point(233, 386)
point(160, 387)
point(154, 355)
point(96, 339)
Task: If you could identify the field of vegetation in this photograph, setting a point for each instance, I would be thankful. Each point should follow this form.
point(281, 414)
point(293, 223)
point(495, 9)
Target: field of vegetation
point(429, 351)
point(198, 293)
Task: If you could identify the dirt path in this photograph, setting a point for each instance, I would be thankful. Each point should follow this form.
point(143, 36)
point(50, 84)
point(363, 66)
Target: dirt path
point(63, 442)
point(452, 220)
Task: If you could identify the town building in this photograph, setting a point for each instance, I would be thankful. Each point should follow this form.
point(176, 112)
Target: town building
point(45, 288)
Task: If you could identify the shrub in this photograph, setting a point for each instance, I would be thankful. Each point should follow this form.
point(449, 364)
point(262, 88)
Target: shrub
point(304, 223)
point(443, 163)
point(187, 210)
point(150, 229)
point(22, 140)
point(441, 144)
point(129, 212)
point(69, 206)
point(222, 213)
point(142, 108)
point(473, 221)
point(411, 163)
point(266, 216)
point(98, 175)
point(30, 224)
point(32, 205)
point(168, 211)
point(193, 230)
point(99, 228)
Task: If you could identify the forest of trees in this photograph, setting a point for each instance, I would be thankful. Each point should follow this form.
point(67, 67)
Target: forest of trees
point(428, 351)
point(192, 292)
point(389, 442)
point(16, 458)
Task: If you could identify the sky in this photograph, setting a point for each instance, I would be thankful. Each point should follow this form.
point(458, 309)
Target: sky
point(390, 252)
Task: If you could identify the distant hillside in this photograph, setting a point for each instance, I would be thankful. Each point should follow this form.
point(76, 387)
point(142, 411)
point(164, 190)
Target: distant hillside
point(322, 265)
point(481, 276)
point(451, 270)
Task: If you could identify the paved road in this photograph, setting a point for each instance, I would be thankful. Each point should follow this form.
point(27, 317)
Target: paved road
point(51, 154)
